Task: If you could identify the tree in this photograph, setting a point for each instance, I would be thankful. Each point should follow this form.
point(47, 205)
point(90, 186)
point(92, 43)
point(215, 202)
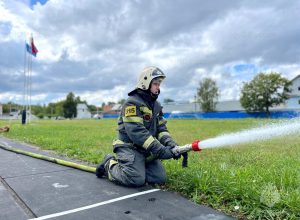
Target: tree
point(69, 106)
point(265, 91)
point(168, 100)
point(208, 94)
point(36, 109)
point(40, 115)
point(92, 108)
point(5, 108)
point(111, 103)
point(10, 106)
point(51, 109)
point(122, 101)
point(59, 110)
point(45, 108)
point(77, 100)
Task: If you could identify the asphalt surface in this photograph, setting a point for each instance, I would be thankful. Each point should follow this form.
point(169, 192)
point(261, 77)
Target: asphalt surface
point(31, 188)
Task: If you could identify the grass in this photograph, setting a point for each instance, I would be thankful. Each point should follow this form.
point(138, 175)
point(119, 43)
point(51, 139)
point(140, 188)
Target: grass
point(259, 180)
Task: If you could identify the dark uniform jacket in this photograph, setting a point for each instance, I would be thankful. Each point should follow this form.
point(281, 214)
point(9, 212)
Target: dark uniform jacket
point(142, 124)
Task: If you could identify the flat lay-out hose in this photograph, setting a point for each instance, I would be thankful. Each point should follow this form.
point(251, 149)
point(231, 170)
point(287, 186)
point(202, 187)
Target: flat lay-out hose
point(176, 150)
point(51, 159)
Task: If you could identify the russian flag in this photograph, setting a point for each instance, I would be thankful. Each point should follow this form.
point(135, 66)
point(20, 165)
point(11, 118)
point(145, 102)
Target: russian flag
point(31, 47)
point(29, 50)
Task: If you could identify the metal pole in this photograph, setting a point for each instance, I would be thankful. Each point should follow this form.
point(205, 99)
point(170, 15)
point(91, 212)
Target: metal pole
point(30, 86)
point(27, 107)
point(195, 103)
point(24, 75)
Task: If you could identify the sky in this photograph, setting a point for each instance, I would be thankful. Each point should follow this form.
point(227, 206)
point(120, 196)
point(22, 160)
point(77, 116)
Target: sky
point(97, 48)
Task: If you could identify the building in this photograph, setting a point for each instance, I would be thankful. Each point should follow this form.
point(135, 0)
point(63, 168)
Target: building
point(1, 109)
point(111, 109)
point(230, 106)
point(235, 106)
point(83, 111)
point(294, 101)
point(223, 106)
point(116, 109)
point(107, 107)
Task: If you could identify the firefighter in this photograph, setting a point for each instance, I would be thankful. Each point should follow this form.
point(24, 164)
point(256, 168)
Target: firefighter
point(142, 133)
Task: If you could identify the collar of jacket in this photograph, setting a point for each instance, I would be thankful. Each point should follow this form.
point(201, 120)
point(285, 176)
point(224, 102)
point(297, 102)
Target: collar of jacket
point(145, 96)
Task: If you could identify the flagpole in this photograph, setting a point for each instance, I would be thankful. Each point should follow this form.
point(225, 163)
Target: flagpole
point(31, 51)
point(27, 106)
point(30, 80)
point(24, 75)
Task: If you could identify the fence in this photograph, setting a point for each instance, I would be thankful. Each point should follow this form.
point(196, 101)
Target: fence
point(216, 115)
point(227, 115)
point(110, 116)
point(18, 117)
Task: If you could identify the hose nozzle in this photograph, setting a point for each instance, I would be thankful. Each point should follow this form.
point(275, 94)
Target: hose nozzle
point(186, 148)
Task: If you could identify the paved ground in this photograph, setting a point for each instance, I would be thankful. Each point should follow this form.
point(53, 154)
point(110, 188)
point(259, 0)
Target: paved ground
point(31, 188)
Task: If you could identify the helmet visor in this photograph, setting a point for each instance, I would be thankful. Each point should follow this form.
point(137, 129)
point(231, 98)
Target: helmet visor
point(160, 79)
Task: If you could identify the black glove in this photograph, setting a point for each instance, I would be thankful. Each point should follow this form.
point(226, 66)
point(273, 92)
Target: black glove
point(166, 153)
point(161, 151)
point(171, 145)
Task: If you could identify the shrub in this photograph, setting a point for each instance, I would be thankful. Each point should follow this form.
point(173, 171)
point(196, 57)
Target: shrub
point(40, 115)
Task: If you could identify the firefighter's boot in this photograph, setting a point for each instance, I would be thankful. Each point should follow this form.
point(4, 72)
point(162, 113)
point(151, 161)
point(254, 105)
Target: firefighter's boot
point(100, 171)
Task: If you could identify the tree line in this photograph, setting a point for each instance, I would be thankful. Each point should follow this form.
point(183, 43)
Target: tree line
point(66, 108)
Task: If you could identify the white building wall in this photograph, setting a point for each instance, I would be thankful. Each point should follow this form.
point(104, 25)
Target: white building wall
point(294, 101)
point(0, 109)
point(83, 112)
point(296, 86)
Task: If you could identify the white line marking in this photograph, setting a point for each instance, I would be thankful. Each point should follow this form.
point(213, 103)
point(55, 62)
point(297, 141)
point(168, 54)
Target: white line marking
point(56, 185)
point(6, 144)
point(95, 205)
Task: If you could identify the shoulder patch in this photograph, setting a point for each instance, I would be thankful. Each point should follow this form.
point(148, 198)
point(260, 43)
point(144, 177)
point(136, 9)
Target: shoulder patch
point(130, 110)
point(147, 117)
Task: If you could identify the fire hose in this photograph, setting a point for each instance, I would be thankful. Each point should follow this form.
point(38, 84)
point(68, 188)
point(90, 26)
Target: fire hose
point(176, 151)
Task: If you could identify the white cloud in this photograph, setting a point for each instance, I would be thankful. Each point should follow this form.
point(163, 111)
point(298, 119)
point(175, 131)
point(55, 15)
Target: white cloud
point(96, 49)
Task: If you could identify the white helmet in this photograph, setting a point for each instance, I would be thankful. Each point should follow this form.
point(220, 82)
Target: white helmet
point(146, 76)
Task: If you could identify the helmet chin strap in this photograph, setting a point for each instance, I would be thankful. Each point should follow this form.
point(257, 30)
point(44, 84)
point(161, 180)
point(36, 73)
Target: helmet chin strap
point(155, 95)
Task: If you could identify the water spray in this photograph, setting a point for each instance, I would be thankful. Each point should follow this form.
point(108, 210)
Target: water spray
point(266, 132)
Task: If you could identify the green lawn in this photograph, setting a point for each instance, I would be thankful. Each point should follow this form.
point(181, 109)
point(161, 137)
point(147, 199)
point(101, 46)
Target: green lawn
point(253, 180)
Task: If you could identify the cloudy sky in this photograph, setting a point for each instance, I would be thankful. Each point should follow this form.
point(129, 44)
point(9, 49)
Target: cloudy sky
point(96, 48)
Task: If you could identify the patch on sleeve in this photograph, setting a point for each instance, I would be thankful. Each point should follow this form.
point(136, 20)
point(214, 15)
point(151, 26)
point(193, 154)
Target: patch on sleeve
point(130, 110)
